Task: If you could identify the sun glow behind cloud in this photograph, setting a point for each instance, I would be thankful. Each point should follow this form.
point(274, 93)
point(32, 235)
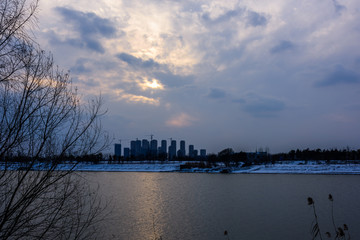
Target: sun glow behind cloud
point(154, 84)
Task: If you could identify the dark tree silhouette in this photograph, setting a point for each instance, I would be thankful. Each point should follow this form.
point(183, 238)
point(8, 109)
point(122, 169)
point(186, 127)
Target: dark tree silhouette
point(42, 117)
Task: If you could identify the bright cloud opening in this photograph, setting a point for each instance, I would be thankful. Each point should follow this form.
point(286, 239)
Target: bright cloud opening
point(154, 84)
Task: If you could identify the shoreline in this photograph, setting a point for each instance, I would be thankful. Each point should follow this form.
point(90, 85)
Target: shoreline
point(291, 167)
point(288, 168)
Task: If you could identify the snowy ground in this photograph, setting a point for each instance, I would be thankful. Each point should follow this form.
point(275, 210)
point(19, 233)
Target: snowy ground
point(287, 168)
point(303, 169)
point(295, 167)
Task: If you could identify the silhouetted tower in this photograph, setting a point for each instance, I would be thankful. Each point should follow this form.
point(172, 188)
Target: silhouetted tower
point(163, 146)
point(133, 148)
point(126, 153)
point(117, 150)
point(153, 147)
point(182, 148)
point(195, 153)
point(191, 151)
point(172, 149)
point(145, 148)
point(137, 148)
point(203, 153)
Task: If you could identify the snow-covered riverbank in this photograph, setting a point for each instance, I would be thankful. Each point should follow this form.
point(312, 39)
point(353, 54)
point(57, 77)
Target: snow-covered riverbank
point(295, 167)
point(285, 168)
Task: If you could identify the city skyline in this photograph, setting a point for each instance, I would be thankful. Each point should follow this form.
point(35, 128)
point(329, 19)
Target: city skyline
point(150, 149)
point(240, 74)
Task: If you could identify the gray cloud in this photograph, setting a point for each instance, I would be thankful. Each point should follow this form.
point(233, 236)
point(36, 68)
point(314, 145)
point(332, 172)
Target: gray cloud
point(90, 82)
point(282, 47)
point(88, 23)
point(137, 62)
point(216, 93)
point(172, 80)
point(339, 76)
point(89, 26)
point(338, 7)
point(80, 67)
point(154, 69)
point(258, 106)
point(256, 19)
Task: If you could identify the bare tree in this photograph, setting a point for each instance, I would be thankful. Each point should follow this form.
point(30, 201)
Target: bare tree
point(42, 117)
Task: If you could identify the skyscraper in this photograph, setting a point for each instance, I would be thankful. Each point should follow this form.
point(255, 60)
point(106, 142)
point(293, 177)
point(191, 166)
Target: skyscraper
point(117, 150)
point(153, 147)
point(145, 148)
point(191, 151)
point(182, 148)
point(133, 148)
point(137, 148)
point(163, 146)
point(202, 153)
point(126, 153)
point(172, 149)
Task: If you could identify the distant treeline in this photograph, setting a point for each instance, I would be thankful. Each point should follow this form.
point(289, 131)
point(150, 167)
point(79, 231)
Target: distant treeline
point(318, 154)
point(88, 158)
point(226, 156)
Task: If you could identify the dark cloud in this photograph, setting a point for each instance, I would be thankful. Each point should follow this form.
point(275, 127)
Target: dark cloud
point(89, 26)
point(256, 19)
point(137, 62)
point(216, 93)
point(89, 82)
point(172, 80)
point(282, 47)
point(88, 23)
point(338, 7)
point(156, 70)
point(264, 107)
point(339, 76)
point(78, 43)
point(80, 67)
point(258, 106)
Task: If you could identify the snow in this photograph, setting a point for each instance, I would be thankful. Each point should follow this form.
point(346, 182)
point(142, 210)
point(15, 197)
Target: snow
point(127, 167)
point(287, 168)
point(295, 167)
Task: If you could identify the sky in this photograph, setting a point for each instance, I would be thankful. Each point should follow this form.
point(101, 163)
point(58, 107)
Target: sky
point(281, 74)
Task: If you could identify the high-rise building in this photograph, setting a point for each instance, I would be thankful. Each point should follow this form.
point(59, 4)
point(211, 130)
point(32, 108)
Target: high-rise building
point(137, 148)
point(172, 149)
point(182, 148)
point(203, 153)
point(191, 151)
point(195, 153)
point(145, 148)
point(126, 153)
point(117, 150)
point(133, 148)
point(163, 147)
point(153, 147)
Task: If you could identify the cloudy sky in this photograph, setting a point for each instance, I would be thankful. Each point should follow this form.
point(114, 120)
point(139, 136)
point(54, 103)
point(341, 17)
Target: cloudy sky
point(281, 74)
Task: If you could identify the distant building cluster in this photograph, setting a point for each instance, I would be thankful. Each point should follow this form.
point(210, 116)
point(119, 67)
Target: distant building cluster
point(145, 149)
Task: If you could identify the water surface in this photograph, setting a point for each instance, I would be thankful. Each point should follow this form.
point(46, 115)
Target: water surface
point(202, 206)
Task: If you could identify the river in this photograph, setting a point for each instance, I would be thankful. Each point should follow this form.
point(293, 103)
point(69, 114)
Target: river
point(203, 206)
